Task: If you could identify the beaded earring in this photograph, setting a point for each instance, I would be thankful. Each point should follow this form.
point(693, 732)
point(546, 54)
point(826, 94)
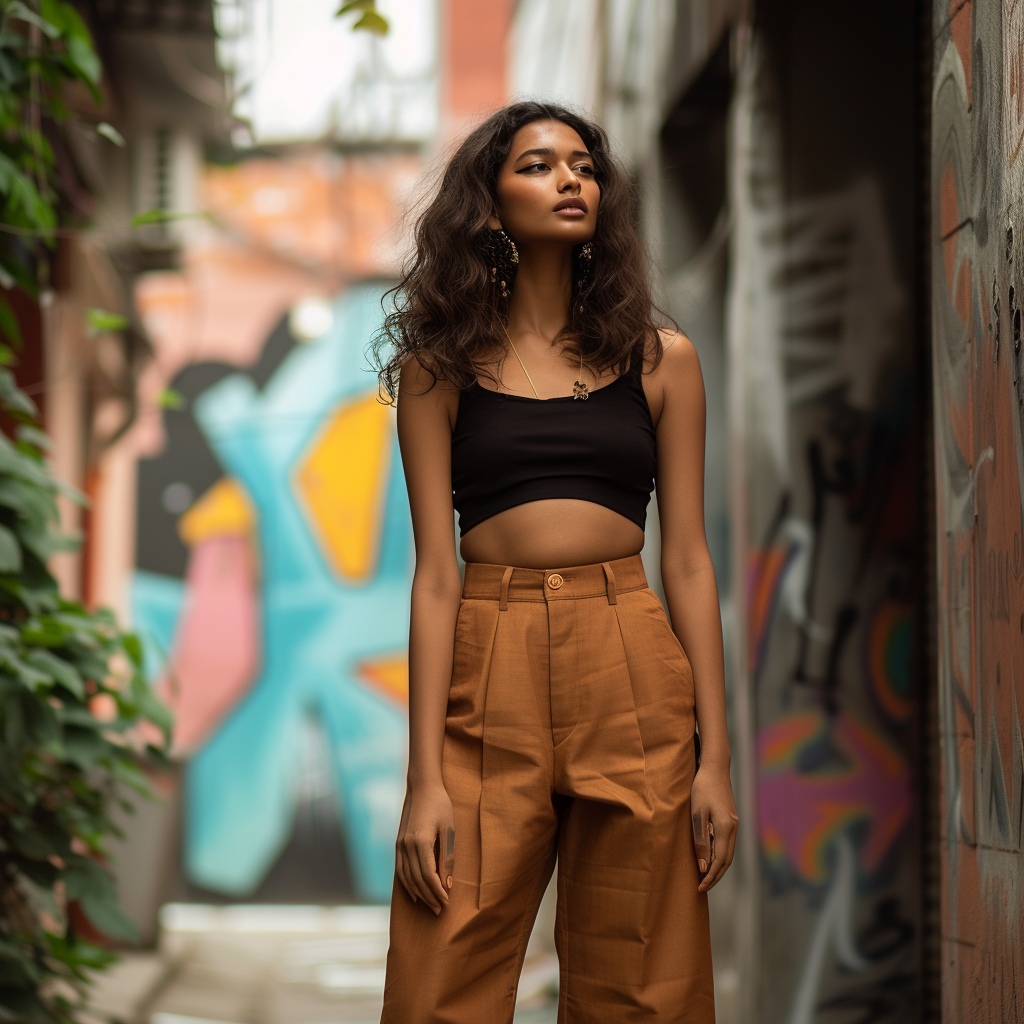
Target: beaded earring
point(503, 257)
point(585, 267)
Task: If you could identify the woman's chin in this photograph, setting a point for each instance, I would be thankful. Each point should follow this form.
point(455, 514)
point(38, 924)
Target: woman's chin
point(560, 234)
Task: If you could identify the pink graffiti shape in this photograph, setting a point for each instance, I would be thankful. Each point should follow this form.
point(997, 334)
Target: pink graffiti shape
point(216, 651)
point(801, 810)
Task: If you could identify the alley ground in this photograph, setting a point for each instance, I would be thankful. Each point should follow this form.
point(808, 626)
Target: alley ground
point(310, 965)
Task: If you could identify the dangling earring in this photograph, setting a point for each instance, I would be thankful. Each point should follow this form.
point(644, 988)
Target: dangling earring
point(585, 267)
point(503, 257)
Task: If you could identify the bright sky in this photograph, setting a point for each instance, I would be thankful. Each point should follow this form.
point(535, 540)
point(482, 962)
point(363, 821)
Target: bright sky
point(312, 76)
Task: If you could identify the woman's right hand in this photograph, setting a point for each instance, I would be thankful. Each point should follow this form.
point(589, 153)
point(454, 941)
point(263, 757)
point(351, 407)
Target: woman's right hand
point(425, 852)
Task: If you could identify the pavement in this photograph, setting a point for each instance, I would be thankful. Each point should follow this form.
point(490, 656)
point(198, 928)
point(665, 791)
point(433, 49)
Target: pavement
point(274, 964)
point(277, 965)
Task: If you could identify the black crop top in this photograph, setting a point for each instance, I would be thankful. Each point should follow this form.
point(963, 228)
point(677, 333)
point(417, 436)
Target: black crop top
point(510, 449)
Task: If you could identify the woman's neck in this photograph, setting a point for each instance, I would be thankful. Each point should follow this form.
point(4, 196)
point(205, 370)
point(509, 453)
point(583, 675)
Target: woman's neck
point(543, 288)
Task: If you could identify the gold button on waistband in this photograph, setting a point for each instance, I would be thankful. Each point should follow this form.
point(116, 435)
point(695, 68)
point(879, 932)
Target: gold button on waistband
point(555, 581)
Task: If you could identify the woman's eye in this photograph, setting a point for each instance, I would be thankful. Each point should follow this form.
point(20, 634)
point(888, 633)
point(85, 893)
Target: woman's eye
point(532, 167)
point(584, 169)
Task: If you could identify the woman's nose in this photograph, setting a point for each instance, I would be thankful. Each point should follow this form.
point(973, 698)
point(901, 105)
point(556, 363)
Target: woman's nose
point(569, 182)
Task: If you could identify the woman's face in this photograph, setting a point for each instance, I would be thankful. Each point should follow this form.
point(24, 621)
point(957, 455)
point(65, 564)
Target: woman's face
point(546, 187)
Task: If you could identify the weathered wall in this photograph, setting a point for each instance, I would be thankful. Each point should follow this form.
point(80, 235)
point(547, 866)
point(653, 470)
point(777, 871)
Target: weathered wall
point(977, 293)
point(823, 178)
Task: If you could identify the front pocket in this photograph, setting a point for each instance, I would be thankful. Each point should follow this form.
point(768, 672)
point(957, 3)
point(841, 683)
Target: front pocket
point(665, 634)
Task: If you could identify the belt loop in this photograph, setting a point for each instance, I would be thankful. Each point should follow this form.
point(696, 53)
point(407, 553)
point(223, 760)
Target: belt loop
point(610, 577)
point(505, 580)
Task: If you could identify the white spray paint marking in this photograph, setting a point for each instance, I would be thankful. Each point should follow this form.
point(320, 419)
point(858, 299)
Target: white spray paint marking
point(836, 923)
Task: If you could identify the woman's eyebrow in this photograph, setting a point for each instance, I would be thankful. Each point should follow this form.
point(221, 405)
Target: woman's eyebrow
point(548, 152)
point(535, 152)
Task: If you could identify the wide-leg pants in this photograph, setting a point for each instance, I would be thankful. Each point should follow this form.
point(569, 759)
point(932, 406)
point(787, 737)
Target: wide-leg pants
point(569, 733)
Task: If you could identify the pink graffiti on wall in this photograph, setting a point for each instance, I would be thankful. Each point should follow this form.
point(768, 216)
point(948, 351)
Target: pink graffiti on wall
point(217, 648)
point(822, 777)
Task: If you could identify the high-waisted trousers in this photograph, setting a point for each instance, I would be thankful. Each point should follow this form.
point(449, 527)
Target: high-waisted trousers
point(569, 733)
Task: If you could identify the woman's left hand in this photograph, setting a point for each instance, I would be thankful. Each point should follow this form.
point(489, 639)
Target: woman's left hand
point(714, 823)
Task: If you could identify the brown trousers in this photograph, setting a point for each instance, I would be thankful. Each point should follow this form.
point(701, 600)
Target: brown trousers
point(569, 732)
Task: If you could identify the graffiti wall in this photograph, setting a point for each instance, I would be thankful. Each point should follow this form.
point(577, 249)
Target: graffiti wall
point(977, 293)
point(274, 545)
point(821, 341)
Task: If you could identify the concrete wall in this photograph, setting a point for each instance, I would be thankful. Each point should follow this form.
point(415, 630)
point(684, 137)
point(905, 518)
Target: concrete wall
point(977, 285)
point(821, 338)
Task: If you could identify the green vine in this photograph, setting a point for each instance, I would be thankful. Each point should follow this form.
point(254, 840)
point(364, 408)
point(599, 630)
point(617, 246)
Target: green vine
point(42, 47)
point(79, 726)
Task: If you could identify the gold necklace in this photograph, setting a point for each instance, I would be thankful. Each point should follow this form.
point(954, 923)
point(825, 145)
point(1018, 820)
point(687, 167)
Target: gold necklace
point(579, 388)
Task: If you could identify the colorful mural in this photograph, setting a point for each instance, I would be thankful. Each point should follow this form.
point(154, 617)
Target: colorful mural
point(294, 606)
point(976, 287)
point(821, 414)
point(834, 800)
point(821, 779)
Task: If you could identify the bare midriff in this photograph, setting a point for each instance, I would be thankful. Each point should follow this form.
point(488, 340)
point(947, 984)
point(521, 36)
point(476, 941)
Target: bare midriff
point(551, 534)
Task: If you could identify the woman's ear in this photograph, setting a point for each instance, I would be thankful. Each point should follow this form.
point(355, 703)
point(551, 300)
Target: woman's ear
point(493, 223)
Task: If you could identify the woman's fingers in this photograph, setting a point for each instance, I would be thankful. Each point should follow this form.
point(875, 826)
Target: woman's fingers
point(714, 871)
point(402, 870)
point(732, 848)
point(407, 879)
point(448, 857)
point(723, 847)
point(428, 869)
point(419, 883)
point(701, 839)
point(400, 867)
point(711, 878)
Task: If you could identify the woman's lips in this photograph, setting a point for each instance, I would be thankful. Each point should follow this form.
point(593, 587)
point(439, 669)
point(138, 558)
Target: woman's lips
point(572, 208)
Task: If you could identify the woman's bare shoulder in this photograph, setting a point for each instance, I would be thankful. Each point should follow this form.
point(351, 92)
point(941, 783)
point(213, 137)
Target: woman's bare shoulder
point(679, 362)
point(677, 351)
point(420, 377)
point(421, 388)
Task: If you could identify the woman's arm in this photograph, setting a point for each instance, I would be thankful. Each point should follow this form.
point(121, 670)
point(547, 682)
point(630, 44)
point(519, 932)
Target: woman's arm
point(425, 416)
point(692, 595)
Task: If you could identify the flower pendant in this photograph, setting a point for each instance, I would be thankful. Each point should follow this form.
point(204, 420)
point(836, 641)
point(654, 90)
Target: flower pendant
point(579, 390)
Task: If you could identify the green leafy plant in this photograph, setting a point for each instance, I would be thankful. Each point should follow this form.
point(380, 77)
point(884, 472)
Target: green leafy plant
point(42, 47)
point(79, 726)
point(369, 20)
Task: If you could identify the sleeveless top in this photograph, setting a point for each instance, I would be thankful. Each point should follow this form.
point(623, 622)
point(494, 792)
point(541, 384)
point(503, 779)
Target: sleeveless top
point(509, 449)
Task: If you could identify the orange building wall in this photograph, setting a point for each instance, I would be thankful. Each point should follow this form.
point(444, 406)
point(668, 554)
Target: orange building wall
point(474, 58)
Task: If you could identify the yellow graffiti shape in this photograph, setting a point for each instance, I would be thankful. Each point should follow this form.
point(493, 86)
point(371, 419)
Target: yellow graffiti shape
point(389, 675)
point(342, 482)
point(224, 510)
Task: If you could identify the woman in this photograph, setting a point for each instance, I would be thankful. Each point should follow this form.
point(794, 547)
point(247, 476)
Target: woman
point(551, 706)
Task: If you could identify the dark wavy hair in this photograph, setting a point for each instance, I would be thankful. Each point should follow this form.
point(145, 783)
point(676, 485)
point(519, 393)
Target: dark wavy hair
point(450, 315)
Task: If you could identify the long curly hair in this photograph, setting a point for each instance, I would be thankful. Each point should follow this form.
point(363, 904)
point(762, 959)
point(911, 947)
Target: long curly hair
point(448, 312)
